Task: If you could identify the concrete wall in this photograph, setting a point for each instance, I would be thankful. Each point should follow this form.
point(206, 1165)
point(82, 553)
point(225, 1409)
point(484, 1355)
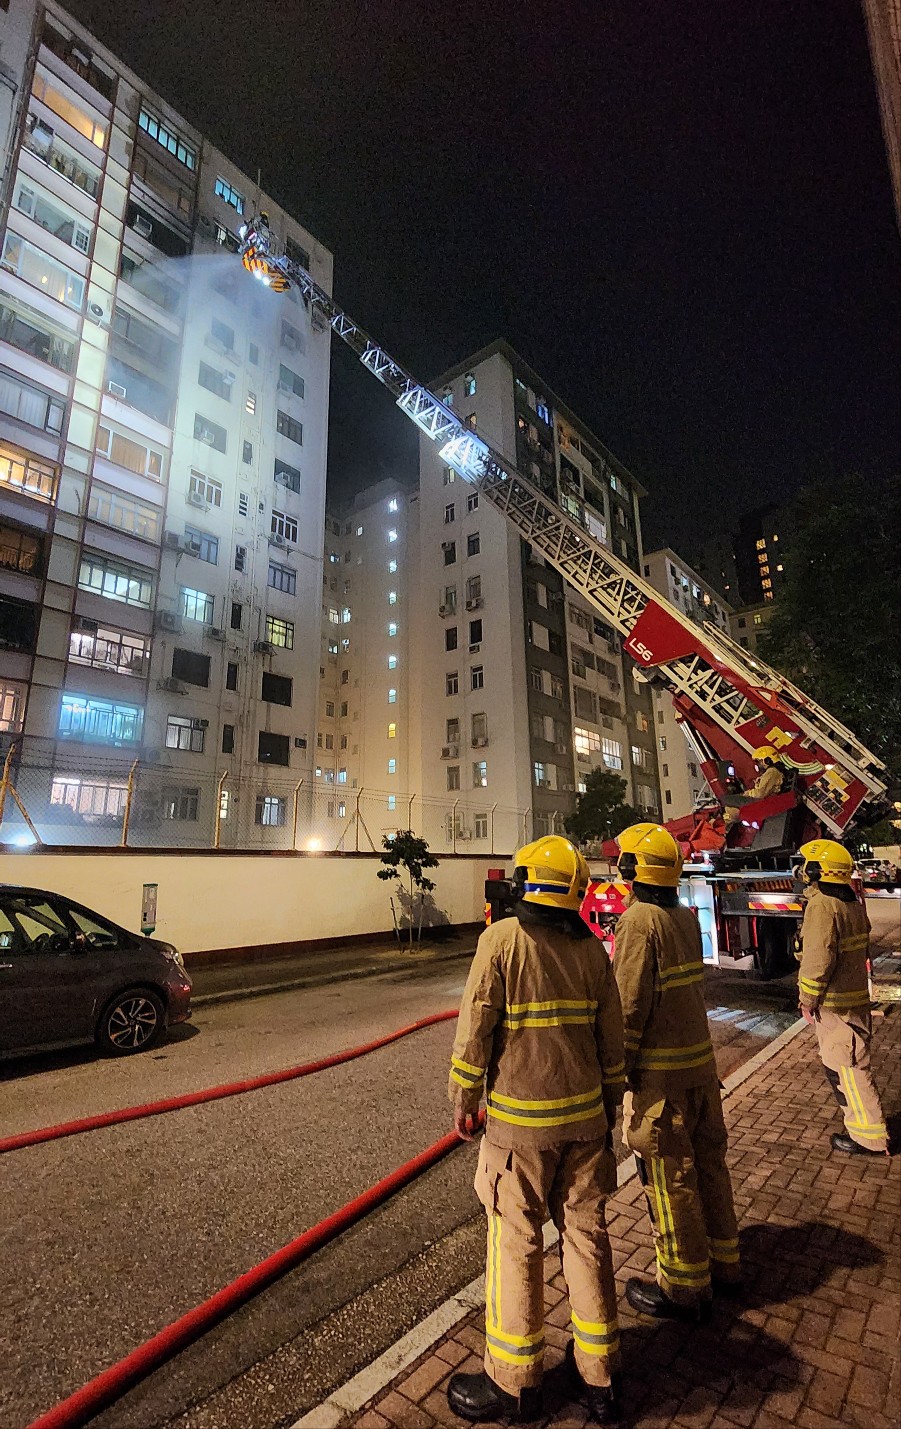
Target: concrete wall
point(243, 900)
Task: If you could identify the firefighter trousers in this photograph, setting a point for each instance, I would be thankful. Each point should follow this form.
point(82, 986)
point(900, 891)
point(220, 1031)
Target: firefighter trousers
point(518, 1189)
point(679, 1140)
point(844, 1042)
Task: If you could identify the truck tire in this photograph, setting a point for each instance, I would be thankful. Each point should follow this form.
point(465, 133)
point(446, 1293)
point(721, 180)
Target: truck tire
point(775, 955)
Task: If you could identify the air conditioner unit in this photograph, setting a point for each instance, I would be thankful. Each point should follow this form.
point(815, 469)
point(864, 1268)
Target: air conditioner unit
point(214, 632)
point(90, 627)
point(446, 610)
point(475, 603)
point(474, 649)
point(560, 747)
point(263, 647)
point(197, 498)
point(98, 312)
point(277, 539)
point(200, 724)
point(480, 741)
point(450, 751)
point(174, 687)
point(116, 389)
point(168, 620)
point(463, 835)
point(228, 378)
point(543, 783)
point(143, 226)
point(151, 756)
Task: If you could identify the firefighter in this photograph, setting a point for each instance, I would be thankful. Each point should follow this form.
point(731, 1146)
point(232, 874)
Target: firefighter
point(835, 995)
point(541, 1029)
point(770, 776)
point(673, 1115)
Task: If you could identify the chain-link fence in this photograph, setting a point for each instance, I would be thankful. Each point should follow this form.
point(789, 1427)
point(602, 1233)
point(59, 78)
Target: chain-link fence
point(103, 806)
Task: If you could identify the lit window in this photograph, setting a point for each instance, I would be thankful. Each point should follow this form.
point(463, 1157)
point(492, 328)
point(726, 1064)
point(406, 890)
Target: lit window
point(392, 535)
point(250, 403)
point(613, 753)
point(392, 597)
point(333, 615)
point(280, 632)
point(230, 195)
point(392, 697)
point(345, 614)
point(451, 683)
point(392, 662)
point(270, 811)
point(184, 733)
point(761, 544)
point(758, 619)
point(392, 766)
point(480, 774)
point(392, 731)
point(469, 385)
point(392, 504)
point(284, 526)
point(472, 501)
point(196, 605)
point(391, 802)
point(392, 568)
point(392, 627)
point(449, 476)
point(97, 721)
point(477, 677)
point(167, 138)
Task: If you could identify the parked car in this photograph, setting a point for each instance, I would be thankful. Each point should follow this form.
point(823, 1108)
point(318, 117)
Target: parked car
point(69, 975)
point(876, 871)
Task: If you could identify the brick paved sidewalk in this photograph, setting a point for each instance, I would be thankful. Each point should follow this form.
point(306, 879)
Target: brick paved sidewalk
point(815, 1342)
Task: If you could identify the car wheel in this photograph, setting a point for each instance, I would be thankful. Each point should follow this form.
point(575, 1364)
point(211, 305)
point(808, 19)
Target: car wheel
point(132, 1022)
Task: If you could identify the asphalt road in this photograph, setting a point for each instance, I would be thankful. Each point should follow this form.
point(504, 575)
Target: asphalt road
point(109, 1236)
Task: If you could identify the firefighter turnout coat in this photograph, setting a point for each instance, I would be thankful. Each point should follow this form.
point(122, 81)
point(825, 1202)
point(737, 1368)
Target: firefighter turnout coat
point(540, 1031)
point(833, 986)
point(673, 1118)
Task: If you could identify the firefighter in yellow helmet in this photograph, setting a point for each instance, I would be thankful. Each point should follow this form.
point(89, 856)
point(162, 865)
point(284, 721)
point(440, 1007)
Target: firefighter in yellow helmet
point(834, 992)
point(541, 1032)
point(673, 1115)
point(770, 773)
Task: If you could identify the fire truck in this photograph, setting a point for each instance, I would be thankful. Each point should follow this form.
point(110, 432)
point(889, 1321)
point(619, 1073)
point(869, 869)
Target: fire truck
point(738, 873)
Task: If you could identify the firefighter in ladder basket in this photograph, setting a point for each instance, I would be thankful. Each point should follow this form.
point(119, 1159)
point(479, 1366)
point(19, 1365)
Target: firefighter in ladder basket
point(835, 995)
point(540, 1026)
point(673, 1115)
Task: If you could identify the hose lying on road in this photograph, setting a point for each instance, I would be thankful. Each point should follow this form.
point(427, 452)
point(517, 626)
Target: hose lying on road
point(109, 1386)
point(212, 1094)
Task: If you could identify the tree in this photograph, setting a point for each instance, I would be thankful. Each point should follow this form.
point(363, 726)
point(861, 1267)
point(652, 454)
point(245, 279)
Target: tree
point(601, 812)
point(834, 629)
point(405, 851)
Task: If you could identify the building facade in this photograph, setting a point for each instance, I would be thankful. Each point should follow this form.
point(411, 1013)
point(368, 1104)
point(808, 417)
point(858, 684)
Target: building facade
point(759, 544)
point(163, 425)
point(682, 785)
point(518, 687)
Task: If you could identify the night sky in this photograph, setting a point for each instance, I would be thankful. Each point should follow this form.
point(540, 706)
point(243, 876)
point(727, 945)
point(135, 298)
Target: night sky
point(680, 214)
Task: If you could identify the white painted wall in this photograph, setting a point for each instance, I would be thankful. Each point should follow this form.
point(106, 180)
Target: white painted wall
point(226, 900)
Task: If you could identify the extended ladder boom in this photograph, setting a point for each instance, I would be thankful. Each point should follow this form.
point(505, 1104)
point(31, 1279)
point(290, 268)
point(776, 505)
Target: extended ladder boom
point(733, 700)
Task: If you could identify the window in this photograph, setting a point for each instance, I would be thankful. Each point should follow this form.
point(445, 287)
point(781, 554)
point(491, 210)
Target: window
point(30, 331)
point(392, 628)
point(31, 405)
point(393, 504)
point(392, 697)
point(479, 728)
point(41, 271)
point(471, 421)
point(250, 404)
point(280, 632)
point(183, 733)
point(89, 798)
point(114, 579)
point(229, 194)
point(477, 677)
point(472, 502)
point(475, 632)
point(392, 766)
point(203, 545)
point(286, 475)
point(194, 669)
point(276, 689)
point(450, 552)
point(642, 723)
point(284, 526)
point(448, 477)
point(345, 614)
point(231, 675)
point(85, 123)
point(228, 739)
point(664, 770)
point(289, 427)
point(392, 535)
point(181, 804)
point(291, 338)
point(204, 488)
point(20, 551)
point(662, 743)
point(343, 709)
point(109, 649)
point(283, 578)
point(392, 597)
point(451, 683)
point(392, 662)
point(452, 730)
point(297, 253)
point(196, 605)
point(392, 731)
point(449, 513)
point(758, 619)
point(289, 381)
point(237, 615)
point(613, 753)
point(586, 741)
point(449, 600)
point(473, 545)
point(132, 455)
point(168, 138)
point(480, 774)
point(210, 433)
point(453, 776)
point(213, 380)
point(536, 680)
point(124, 512)
point(539, 774)
point(390, 803)
point(240, 558)
point(450, 638)
point(93, 721)
point(392, 568)
point(12, 706)
point(273, 748)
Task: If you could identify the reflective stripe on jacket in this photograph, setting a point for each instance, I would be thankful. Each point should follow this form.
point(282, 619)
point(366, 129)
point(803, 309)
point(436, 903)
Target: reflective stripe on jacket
point(835, 943)
point(541, 1032)
point(659, 969)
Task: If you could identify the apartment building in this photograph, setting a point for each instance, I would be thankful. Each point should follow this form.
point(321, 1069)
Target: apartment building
point(682, 785)
point(519, 688)
point(163, 428)
point(749, 622)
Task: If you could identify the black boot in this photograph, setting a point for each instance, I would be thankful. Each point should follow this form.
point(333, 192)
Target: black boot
point(729, 1289)
point(843, 1142)
point(603, 1402)
point(648, 1299)
point(476, 1397)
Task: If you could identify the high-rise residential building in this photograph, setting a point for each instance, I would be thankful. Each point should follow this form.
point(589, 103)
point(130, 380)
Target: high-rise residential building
point(759, 545)
point(749, 622)
point(682, 785)
point(163, 428)
point(884, 32)
point(518, 686)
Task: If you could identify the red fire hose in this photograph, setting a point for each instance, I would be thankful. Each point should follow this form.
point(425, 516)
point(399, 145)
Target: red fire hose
point(109, 1386)
point(212, 1094)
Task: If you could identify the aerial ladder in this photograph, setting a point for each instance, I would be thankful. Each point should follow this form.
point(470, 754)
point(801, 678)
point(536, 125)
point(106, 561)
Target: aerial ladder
point(728, 699)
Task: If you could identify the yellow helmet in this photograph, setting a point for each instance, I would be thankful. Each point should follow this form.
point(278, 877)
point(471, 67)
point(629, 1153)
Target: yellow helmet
point(763, 752)
point(552, 872)
point(648, 854)
point(825, 861)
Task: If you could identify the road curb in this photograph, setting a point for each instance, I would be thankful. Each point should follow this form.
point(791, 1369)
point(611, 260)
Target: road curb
point(350, 1397)
point(323, 979)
